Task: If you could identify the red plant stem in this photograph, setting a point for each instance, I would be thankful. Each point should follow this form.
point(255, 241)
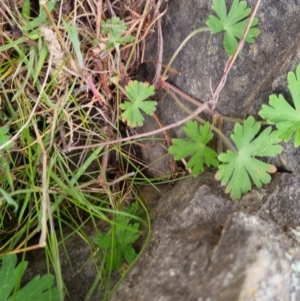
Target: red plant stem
point(91, 84)
point(103, 78)
point(134, 11)
point(167, 85)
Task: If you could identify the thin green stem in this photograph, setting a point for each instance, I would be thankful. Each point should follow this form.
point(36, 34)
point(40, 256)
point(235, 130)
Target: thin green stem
point(56, 264)
point(193, 33)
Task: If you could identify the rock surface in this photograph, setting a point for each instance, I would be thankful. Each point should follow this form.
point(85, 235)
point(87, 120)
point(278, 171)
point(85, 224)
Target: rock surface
point(205, 247)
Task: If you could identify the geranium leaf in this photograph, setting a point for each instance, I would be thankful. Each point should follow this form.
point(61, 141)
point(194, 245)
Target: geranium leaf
point(129, 254)
point(282, 114)
point(116, 30)
point(236, 166)
point(232, 23)
point(39, 288)
point(196, 147)
point(138, 94)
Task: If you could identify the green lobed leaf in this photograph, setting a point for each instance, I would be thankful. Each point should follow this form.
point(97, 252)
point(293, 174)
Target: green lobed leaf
point(113, 26)
point(138, 94)
point(39, 288)
point(136, 210)
point(129, 254)
point(233, 23)
point(196, 147)
point(236, 166)
point(103, 240)
point(127, 233)
point(10, 275)
point(118, 40)
point(282, 114)
point(115, 29)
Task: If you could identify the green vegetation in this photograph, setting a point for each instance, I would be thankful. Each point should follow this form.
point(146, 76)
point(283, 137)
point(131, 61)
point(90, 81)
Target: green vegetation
point(282, 114)
point(239, 166)
point(120, 238)
point(137, 94)
point(233, 23)
point(236, 166)
point(66, 87)
point(195, 146)
point(39, 288)
point(115, 29)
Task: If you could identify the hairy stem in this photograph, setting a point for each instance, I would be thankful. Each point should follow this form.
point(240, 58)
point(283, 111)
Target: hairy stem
point(193, 33)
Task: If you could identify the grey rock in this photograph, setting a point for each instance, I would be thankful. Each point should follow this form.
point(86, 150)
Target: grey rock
point(251, 262)
point(288, 160)
point(203, 58)
point(187, 226)
point(205, 247)
point(283, 202)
